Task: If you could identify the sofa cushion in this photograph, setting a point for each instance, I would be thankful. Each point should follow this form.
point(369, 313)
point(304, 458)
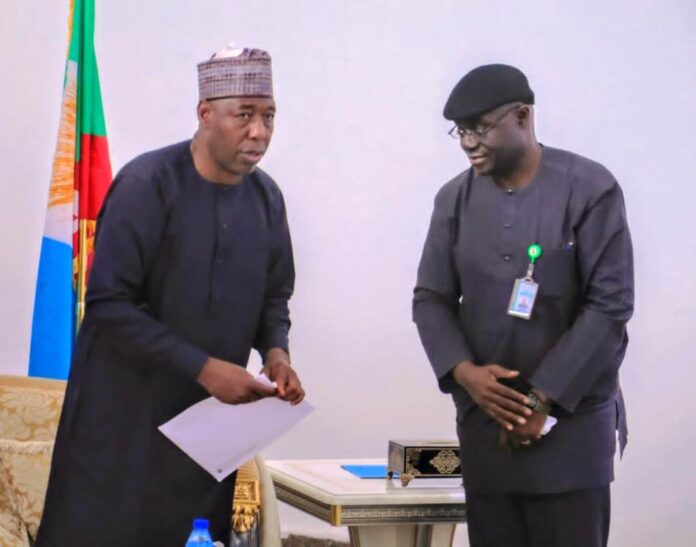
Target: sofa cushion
point(13, 533)
point(30, 408)
point(24, 466)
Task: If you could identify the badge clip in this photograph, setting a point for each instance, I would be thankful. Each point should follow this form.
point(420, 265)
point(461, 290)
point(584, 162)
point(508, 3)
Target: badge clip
point(525, 289)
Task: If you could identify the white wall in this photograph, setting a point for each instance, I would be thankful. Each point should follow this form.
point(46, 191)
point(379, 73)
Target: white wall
point(360, 150)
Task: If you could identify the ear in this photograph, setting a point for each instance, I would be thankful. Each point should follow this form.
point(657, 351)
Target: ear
point(204, 111)
point(523, 115)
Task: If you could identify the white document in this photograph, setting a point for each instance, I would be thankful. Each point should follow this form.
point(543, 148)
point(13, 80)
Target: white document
point(221, 437)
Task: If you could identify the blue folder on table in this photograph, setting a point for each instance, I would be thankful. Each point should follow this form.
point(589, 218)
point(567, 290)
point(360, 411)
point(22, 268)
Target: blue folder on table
point(368, 471)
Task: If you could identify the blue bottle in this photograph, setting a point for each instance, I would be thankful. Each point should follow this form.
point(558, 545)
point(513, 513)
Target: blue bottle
point(200, 535)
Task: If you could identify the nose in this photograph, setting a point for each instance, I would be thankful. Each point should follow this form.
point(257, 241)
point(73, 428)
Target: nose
point(257, 129)
point(469, 142)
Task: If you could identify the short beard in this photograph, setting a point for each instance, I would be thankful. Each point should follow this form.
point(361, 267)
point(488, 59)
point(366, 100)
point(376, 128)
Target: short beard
point(507, 163)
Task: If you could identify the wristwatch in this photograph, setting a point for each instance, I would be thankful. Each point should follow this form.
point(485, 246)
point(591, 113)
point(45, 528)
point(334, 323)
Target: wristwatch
point(537, 405)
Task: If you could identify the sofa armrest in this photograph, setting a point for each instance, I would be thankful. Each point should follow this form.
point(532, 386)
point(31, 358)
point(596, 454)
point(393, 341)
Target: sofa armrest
point(270, 521)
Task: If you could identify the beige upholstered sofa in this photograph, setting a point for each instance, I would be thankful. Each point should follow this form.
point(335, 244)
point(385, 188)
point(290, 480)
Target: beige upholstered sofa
point(29, 412)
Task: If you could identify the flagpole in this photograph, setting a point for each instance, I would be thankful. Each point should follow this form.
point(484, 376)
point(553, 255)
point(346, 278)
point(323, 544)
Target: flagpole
point(82, 259)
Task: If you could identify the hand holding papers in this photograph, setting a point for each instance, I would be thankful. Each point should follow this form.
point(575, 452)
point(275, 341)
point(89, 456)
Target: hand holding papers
point(221, 437)
point(231, 383)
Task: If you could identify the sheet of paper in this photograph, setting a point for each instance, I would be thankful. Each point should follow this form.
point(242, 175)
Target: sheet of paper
point(221, 437)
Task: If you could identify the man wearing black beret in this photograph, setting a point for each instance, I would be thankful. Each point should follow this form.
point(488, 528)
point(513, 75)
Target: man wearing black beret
point(524, 290)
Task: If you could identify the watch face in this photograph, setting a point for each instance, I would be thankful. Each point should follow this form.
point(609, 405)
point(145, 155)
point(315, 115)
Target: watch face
point(533, 400)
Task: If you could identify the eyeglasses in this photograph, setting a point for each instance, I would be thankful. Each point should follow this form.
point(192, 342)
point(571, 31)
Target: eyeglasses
point(479, 133)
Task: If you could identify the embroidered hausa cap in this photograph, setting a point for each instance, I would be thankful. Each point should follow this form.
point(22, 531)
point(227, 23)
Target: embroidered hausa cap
point(235, 72)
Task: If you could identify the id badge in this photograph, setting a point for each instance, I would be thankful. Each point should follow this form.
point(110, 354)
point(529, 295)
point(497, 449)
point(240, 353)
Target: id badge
point(524, 293)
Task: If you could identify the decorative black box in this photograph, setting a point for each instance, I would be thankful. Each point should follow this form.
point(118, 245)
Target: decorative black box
point(423, 459)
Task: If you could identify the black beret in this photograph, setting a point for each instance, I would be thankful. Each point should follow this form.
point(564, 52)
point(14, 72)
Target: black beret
point(485, 88)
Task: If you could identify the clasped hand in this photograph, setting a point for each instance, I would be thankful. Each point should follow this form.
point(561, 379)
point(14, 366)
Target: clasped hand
point(502, 403)
point(508, 407)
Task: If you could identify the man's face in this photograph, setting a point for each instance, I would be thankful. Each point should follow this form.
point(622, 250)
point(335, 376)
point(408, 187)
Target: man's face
point(237, 131)
point(494, 142)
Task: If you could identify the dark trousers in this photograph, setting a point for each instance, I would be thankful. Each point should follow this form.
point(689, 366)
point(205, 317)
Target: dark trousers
point(570, 519)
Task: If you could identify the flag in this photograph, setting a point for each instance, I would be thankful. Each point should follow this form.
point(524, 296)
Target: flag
point(80, 178)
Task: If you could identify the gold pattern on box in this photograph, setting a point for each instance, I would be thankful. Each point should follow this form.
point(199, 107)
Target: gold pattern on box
point(445, 462)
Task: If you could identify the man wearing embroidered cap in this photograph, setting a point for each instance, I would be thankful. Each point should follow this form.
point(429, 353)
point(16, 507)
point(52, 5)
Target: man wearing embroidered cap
point(524, 290)
point(193, 268)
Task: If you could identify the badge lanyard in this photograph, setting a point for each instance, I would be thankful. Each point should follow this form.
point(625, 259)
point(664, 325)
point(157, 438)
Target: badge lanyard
point(525, 289)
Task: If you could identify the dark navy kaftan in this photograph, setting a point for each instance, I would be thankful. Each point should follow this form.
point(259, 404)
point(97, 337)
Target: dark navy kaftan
point(183, 269)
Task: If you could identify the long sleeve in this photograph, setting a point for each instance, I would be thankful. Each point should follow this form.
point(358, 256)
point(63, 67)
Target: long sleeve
point(130, 228)
point(437, 293)
point(594, 345)
point(274, 323)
